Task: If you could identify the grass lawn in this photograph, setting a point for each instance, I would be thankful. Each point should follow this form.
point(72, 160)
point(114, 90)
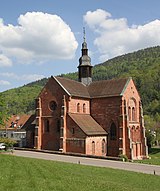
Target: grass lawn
point(18, 173)
point(154, 153)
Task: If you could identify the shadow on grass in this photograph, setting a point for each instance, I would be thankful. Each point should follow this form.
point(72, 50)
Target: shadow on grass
point(154, 150)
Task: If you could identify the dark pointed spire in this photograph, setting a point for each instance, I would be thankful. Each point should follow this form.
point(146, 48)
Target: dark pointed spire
point(84, 35)
point(85, 67)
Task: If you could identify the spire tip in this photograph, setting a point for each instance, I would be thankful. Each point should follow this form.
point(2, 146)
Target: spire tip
point(84, 34)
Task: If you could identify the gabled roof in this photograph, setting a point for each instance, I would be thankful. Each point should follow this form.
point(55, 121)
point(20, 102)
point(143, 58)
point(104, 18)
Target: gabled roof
point(17, 121)
point(74, 88)
point(30, 123)
point(103, 88)
point(107, 88)
point(87, 124)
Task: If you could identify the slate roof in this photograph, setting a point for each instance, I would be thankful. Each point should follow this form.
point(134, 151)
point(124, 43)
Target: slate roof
point(103, 88)
point(88, 125)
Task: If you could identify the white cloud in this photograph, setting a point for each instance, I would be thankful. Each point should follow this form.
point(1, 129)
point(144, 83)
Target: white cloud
point(23, 77)
point(94, 18)
point(4, 83)
point(31, 77)
point(9, 75)
point(115, 37)
point(5, 61)
point(38, 37)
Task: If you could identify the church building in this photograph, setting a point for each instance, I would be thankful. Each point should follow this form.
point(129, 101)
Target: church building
point(102, 118)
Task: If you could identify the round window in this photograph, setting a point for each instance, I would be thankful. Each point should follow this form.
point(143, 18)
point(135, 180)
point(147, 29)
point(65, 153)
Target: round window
point(52, 105)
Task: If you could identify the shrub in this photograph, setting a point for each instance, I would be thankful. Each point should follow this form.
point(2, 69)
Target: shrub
point(9, 143)
point(124, 157)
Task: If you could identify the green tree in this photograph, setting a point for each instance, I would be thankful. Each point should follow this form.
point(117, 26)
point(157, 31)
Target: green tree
point(149, 125)
point(3, 111)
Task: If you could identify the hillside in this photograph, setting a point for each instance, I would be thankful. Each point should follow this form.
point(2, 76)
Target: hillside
point(143, 66)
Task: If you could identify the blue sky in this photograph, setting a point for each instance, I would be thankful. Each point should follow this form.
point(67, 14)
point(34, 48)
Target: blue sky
point(41, 38)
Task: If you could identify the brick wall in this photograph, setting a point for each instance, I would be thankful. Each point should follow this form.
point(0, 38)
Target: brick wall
point(107, 111)
point(84, 106)
point(50, 139)
point(96, 145)
point(136, 139)
point(75, 137)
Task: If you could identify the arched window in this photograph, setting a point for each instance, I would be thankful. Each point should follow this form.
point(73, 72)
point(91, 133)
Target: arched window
point(132, 109)
point(133, 114)
point(129, 113)
point(78, 107)
point(103, 146)
point(93, 147)
point(113, 132)
point(84, 108)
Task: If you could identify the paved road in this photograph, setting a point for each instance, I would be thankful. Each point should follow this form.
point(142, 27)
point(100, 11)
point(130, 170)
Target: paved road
point(136, 167)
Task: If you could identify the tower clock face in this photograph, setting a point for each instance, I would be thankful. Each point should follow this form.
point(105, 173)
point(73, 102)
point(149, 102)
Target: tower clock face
point(53, 105)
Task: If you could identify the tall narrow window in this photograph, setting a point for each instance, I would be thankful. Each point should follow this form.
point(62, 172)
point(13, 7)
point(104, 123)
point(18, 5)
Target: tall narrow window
point(132, 109)
point(129, 113)
point(103, 146)
point(133, 114)
point(58, 125)
point(46, 125)
point(84, 108)
point(93, 147)
point(113, 132)
point(78, 107)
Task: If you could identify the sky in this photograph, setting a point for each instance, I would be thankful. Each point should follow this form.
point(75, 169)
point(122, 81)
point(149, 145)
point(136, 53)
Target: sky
point(41, 38)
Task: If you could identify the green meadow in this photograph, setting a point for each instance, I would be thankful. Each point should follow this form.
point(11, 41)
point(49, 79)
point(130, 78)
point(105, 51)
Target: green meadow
point(18, 173)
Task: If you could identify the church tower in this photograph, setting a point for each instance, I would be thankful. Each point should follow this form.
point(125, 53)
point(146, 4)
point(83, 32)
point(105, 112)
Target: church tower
point(85, 67)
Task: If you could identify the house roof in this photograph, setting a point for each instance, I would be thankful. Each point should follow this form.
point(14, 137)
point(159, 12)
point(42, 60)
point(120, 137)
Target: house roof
point(103, 88)
point(30, 123)
point(17, 121)
point(88, 125)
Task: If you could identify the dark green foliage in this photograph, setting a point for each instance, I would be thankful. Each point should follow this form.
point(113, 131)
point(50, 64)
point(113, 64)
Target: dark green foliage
point(41, 82)
point(124, 158)
point(3, 110)
point(9, 143)
point(22, 100)
point(72, 76)
point(144, 67)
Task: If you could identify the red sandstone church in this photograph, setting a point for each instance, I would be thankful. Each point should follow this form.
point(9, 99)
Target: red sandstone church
point(103, 118)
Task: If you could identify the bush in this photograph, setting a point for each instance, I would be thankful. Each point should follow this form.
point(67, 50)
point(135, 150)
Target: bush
point(9, 143)
point(124, 157)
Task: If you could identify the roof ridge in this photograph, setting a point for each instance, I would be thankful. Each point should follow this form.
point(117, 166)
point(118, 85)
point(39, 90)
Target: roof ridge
point(114, 79)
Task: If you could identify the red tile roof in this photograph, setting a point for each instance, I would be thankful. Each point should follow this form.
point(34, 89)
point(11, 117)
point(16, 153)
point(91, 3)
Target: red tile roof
point(17, 121)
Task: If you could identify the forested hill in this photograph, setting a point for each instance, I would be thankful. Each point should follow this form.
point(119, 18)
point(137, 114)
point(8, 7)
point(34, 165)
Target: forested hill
point(143, 66)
